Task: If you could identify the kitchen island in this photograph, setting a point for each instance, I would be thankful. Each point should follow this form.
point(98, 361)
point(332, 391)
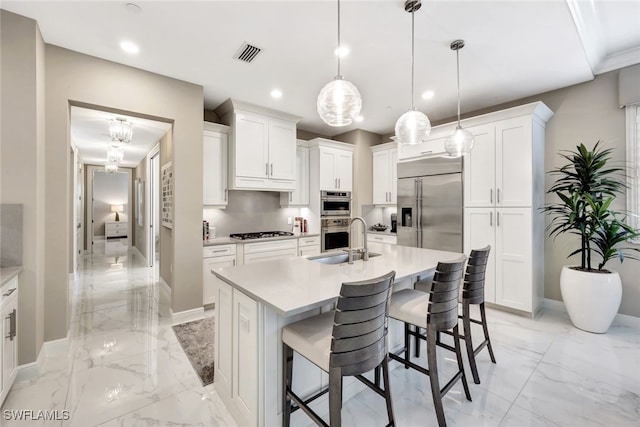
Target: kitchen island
point(256, 300)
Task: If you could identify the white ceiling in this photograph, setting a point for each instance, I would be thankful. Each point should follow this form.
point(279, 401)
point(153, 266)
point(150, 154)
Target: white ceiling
point(513, 48)
point(90, 135)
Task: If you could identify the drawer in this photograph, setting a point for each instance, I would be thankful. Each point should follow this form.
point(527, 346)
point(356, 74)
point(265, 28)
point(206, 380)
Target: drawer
point(118, 225)
point(381, 238)
point(9, 290)
point(309, 241)
point(274, 245)
point(219, 250)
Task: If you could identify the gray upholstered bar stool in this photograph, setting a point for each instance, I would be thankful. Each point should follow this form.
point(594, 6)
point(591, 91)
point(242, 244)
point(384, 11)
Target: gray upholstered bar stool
point(473, 293)
point(435, 311)
point(349, 341)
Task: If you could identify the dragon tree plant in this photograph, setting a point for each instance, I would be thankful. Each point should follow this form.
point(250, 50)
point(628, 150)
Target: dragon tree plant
point(586, 187)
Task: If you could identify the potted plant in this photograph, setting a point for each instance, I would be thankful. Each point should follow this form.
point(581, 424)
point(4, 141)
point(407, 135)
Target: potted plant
point(586, 187)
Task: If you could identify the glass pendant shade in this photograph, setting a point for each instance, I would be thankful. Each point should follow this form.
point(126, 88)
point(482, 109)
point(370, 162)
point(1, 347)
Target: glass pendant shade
point(412, 127)
point(111, 167)
point(114, 154)
point(459, 143)
point(121, 130)
point(339, 102)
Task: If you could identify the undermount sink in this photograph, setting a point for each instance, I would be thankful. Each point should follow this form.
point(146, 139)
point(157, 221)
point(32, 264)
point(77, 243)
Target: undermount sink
point(339, 258)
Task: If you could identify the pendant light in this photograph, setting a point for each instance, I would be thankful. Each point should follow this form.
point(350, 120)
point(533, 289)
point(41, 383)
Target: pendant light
point(339, 101)
point(413, 126)
point(121, 130)
point(461, 141)
point(114, 154)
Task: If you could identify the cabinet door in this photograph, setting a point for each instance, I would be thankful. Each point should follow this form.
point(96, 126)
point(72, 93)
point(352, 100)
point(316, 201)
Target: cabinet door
point(209, 281)
point(328, 178)
point(251, 145)
point(224, 339)
point(514, 163)
point(214, 168)
point(381, 178)
point(245, 357)
point(9, 343)
point(269, 256)
point(282, 150)
point(301, 194)
point(513, 258)
point(393, 167)
point(344, 170)
point(479, 168)
point(309, 250)
point(479, 231)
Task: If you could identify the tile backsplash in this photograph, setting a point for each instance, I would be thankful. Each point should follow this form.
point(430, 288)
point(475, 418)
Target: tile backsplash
point(10, 235)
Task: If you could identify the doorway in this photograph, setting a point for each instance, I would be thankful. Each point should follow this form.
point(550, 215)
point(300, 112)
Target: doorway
point(153, 201)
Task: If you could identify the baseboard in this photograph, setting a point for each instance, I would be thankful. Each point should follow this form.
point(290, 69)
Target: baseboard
point(137, 251)
point(187, 315)
point(619, 320)
point(53, 348)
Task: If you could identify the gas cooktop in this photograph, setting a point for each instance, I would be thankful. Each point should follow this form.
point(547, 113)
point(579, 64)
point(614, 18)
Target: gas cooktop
point(260, 235)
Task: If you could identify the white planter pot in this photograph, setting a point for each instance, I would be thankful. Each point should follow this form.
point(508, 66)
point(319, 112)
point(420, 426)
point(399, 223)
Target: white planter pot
point(592, 299)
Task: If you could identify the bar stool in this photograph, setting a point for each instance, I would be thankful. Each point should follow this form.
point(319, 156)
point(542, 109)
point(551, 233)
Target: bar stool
point(473, 293)
point(434, 311)
point(349, 341)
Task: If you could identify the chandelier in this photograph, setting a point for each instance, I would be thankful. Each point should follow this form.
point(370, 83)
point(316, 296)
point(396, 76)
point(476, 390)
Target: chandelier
point(121, 130)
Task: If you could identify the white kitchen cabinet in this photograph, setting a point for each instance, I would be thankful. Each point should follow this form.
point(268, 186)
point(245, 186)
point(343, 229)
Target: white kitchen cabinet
point(433, 146)
point(385, 173)
point(214, 165)
point(214, 257)
point(299, 196)
point(224, 340)
point(389, 239)
point(9, 339)
point(309, 246)
point(331, 165)
point(509, 276)
point(267, 251)
point(262, 147)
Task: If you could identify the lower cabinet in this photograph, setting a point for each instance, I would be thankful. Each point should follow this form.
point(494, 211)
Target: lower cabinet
point(389, 239)
point(9, 339)
point(309, 246)
point(214, 257)
point(267, 251)
point(510, 277)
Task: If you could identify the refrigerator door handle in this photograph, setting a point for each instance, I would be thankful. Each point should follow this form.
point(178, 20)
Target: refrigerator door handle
point(498, 219)
point(491, 195)
point(490, 219)
point(498, 195)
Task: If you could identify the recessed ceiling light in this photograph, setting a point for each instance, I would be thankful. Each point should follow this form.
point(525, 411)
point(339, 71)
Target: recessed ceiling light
point(428, 94)
point(276, 93)
point(129, 47)
point(342, 51)
point(358, 118)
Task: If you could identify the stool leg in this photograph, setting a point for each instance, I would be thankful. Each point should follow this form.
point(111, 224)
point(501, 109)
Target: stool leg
point(433, 376)
point(485, 328)
point(417, 342)
point(287, 372)
point(407, 344)
point(335, 397)
point(456, 339)
point(471, 355)
point(387, 390)
point(376, 376)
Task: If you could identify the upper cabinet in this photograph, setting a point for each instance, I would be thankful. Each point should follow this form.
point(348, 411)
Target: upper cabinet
point(385, 173)
point(331, 164)
point(300, 196)
point(262, 147)
point(214, 171)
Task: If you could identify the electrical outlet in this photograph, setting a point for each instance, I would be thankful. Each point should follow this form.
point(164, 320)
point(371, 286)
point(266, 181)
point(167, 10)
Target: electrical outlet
point(289, 221)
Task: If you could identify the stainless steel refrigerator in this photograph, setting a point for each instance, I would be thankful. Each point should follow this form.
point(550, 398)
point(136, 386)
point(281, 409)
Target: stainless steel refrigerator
point(430, 204)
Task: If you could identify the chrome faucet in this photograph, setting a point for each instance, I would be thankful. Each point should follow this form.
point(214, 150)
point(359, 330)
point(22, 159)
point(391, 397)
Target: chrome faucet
point(365, 251)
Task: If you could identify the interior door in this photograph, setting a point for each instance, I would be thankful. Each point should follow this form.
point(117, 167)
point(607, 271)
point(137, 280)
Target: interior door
point(441, 212)
point(407, 212)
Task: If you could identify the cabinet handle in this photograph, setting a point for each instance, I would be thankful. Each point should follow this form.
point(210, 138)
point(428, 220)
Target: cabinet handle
point(339, 186)
point(491, 195)
point(219, 250)
point(498, 196)
point(426, 152)
point(290, 196)
point(9, 293)
point(490, 219)
point(12, 324)
point(498, 219)
point(271, 169)
point(234, 263)
point(266, 165)
point(335, 183)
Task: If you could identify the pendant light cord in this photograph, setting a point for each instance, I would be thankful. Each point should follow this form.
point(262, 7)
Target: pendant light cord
point(339, 47)
point(458, 75)
point(413, 42)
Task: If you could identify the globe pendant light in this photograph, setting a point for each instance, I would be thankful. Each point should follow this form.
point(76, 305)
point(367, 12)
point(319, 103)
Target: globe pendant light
point(461, 141)
point(412, 127)
point(339, 101)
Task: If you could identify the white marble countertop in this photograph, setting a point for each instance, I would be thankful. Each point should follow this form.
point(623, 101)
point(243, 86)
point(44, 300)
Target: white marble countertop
point(387, 232)
point(228, 240)
point(8, 273)
point(296, 285)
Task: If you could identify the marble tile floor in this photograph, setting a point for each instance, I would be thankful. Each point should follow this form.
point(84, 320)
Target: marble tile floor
point(124, 367)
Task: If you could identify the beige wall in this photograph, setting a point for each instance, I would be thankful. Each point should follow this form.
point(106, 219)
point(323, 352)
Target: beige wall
point(22, 165)
point(76, 78)
point(139, 232)
point(166, 234)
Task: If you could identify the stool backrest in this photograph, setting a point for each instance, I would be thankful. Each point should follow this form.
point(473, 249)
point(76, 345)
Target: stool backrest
point(442, 312)
point(359, 341)
point(473, 287)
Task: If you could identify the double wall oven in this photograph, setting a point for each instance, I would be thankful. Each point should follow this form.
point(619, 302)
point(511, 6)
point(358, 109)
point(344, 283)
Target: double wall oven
point(335, 212)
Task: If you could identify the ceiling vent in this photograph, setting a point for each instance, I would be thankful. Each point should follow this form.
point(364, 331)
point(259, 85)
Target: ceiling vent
point(247, 53)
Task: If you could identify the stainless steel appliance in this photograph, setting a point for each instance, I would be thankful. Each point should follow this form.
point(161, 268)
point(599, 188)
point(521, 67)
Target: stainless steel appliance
point(334, 233)
point(260, 235)
point(394, 223)
point(335, 203)
point(430, 204)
